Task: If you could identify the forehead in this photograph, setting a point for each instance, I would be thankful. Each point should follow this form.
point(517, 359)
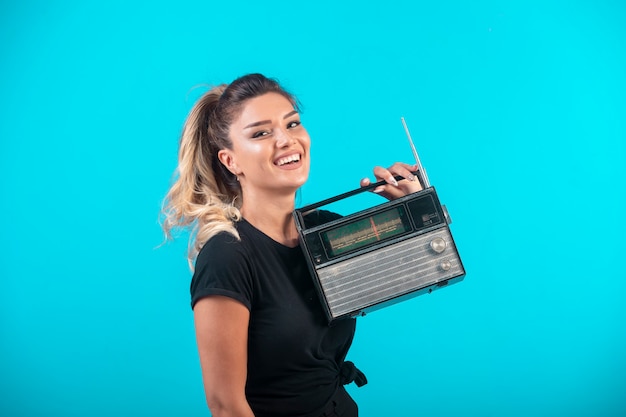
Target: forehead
point(265, 107)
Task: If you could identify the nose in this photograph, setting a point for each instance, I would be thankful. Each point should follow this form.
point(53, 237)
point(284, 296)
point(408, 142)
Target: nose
point(283, 138)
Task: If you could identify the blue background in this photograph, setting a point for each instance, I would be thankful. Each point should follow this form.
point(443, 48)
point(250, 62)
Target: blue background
point(517, 108)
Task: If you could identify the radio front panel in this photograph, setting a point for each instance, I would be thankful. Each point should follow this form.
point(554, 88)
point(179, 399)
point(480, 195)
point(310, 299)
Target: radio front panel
point(374, 228)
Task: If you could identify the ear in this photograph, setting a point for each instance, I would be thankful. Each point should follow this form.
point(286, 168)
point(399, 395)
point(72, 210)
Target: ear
point(227, 158)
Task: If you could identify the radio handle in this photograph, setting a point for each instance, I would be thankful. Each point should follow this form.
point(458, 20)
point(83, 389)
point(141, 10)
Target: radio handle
point(421, 172)
point(347, 194)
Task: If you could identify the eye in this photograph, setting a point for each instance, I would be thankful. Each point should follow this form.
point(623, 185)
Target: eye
point(260, 133)
point(293, 124)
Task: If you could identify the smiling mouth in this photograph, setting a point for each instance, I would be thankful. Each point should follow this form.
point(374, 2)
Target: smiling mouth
point(287, 160)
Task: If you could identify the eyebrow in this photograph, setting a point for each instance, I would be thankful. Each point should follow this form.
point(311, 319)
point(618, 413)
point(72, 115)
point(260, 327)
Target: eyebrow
point(262, 122)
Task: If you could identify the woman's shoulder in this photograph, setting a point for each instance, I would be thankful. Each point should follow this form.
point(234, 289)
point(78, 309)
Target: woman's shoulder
point(225, 246)
point(220, 246)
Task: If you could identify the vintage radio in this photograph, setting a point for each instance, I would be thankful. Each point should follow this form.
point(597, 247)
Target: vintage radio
point(383, 254)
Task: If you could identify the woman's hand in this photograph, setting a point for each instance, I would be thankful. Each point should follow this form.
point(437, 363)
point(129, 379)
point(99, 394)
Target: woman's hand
point(395, 189)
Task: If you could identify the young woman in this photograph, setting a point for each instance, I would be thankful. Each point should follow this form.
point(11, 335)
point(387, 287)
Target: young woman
point(265, 346)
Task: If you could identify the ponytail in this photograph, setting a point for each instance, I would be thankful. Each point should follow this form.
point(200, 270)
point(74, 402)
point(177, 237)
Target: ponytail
point(199, 199)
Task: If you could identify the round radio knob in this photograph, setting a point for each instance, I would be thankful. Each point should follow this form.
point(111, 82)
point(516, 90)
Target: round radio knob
point(445, 265)
point(438, 244)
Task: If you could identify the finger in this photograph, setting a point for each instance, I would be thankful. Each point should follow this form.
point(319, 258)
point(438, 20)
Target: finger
point(366, 182)
point(386, 175)
point(404, 170)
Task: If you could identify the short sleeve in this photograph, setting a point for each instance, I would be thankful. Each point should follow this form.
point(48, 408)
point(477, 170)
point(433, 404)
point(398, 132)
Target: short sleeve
point(223, 268)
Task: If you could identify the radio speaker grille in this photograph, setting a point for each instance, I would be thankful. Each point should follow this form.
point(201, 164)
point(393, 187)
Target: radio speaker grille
point(384, 274)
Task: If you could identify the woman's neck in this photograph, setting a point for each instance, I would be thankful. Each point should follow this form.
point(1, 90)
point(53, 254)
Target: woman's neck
point(272, 216)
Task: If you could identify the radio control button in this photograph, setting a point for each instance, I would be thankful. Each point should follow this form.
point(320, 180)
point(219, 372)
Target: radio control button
point(445, 265)
point(438, 244)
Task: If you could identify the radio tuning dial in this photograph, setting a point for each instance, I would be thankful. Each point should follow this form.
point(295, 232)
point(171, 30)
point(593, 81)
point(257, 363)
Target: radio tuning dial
point(445, 265)
point(438, 245)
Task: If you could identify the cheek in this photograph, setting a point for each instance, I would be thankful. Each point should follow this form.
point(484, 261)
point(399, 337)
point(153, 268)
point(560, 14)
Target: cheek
point(306, 140)
point(250, 150)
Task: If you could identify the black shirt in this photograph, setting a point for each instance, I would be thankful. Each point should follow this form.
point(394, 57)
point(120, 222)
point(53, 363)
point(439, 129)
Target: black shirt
point(294, 356)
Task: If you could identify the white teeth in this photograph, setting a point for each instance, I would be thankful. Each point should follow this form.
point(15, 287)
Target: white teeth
point(288, 159)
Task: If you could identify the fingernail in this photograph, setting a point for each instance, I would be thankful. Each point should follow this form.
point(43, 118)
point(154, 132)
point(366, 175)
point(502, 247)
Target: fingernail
point(411, 177)
point(393, 181)
point(378, 189)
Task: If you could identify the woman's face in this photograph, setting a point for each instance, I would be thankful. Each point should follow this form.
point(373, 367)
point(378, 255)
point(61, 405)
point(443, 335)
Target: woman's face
point(270, 146)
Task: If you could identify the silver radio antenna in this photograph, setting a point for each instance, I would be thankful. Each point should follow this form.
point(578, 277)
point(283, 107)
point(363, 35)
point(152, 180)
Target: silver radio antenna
point(421, 173)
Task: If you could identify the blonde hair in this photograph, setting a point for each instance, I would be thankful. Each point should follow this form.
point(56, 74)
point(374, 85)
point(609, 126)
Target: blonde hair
point(205, 196)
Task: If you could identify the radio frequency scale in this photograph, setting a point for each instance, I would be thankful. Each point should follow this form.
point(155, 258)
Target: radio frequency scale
point(383, 254)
